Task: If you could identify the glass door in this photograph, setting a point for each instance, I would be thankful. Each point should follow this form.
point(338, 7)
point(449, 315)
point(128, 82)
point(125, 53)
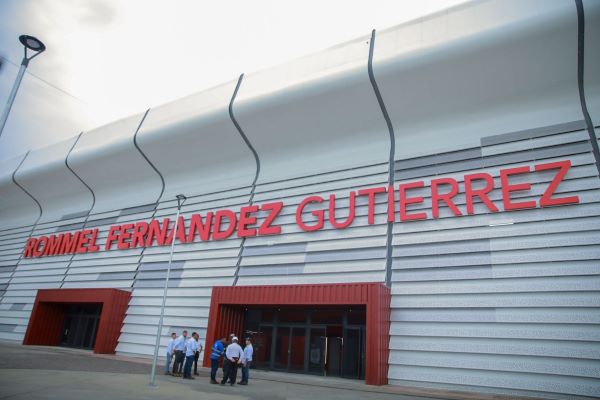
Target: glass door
point(297, 347)
point(316, 351)
point(262, 342)
point(80, 325)
point(352, 356)
point(334, 355)
point(282, 348)
point(290, 348)
point(327, 341)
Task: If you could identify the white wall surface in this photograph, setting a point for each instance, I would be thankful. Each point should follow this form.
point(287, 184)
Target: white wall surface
point(107, 160)
point(17, 209)
point(205, 152)
point(493, 302)
point(45, 175)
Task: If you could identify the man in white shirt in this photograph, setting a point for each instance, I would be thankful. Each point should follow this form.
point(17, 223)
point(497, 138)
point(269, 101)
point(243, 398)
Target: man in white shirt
point(191, 346)
point(234, 355)
point(248, 351)
point(179, 347)
point(197, 356)
point(170, 352)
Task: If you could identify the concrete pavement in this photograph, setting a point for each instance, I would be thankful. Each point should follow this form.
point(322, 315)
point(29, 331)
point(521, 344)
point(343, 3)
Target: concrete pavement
point(37, 372)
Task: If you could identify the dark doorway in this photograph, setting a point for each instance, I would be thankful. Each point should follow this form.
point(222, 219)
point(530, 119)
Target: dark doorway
point(81, 325)
point(315, 340)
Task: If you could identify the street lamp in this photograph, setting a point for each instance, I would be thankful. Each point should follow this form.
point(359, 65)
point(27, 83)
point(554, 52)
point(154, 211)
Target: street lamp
point(180, 200)
point(29, 43)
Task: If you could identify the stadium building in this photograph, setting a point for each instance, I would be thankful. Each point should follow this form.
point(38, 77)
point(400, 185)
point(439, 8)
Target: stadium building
point(417, 207)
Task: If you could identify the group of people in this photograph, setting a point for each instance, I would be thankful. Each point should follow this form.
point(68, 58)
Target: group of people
point(186, 351)
point(183, 349)
point(234, 356)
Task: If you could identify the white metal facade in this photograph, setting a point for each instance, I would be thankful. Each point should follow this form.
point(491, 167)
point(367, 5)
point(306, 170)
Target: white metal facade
point(505, 302)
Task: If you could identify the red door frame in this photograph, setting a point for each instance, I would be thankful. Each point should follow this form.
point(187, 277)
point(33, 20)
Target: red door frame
point(227, 312)
point(47, 316)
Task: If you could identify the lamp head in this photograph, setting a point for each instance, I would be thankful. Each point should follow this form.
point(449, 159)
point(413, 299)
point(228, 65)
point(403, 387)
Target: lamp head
point(32, 43)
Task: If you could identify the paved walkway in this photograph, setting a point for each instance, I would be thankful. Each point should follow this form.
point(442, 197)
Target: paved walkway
point(37, 372)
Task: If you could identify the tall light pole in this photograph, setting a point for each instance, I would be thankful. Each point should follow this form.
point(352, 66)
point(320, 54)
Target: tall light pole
point(180, 200)
point(29, 43)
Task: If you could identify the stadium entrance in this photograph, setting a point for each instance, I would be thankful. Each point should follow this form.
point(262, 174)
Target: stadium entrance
point(337, 329)
point(326, 341)
point(81, 325)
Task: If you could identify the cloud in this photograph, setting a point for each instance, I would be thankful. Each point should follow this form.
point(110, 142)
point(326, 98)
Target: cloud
point(96, 13)
point(122, 57)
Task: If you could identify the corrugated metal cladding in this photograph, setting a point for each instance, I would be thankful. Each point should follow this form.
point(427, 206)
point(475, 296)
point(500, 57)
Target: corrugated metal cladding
point(46, 322)
point(227, 311)
point(502, 302)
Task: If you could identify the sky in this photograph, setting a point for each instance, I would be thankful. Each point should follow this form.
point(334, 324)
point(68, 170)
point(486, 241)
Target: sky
point(107, 59)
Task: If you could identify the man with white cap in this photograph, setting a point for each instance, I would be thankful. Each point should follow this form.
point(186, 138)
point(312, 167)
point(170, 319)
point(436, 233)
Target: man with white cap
point(234, 355)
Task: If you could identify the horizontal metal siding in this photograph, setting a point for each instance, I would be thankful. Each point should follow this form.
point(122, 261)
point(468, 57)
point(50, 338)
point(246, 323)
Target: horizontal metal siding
point(478, 301)
point(504, 301)
point(354, 254)
point(25, 276)
point(196, 268)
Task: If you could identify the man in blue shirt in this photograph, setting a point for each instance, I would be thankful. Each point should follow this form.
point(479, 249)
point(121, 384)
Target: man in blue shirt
point(248, 351)
point(217, 351)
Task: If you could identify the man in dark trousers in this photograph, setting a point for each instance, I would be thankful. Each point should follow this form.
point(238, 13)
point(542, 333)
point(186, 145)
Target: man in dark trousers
point(197, 355)
point(191, 347)
point(179, 354)
point(218, 349)
point(234, 355)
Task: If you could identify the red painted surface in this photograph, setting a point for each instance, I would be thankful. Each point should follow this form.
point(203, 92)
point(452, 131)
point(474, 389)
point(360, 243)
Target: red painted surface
point(47, 316)
point(227, 311)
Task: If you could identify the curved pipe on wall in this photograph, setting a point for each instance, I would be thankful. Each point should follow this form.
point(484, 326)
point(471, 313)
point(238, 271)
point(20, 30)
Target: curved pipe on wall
point(317, 115)
point(243, 135)
point(46, 176)
point(256, 175)
point(195, 146)
point(137, 146)
point(588, 69)
point(591, 70)
point(508, 65)
point(78, 177)
point(17, 207)
point(391, 169)
point(110, 164)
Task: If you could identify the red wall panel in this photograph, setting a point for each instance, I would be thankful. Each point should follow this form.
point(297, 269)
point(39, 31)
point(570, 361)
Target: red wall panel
point(47, 316)
point(50, 317)
point(226, 313)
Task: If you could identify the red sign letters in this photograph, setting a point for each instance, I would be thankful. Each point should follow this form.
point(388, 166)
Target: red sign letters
point(312, 212)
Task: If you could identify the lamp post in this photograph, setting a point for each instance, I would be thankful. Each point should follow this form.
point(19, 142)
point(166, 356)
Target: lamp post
point(180, 200)
point(29, 43)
